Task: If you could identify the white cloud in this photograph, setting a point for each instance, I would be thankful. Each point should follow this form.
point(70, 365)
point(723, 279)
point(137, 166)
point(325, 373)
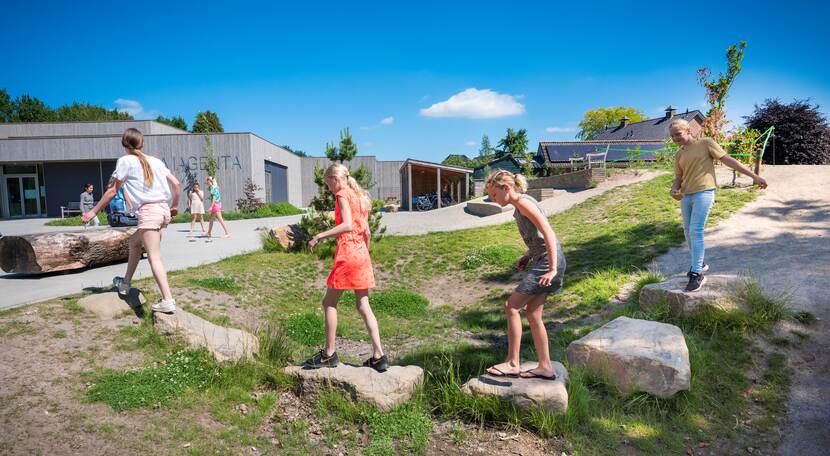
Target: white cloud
point(387, 120)
point(134, 108)
point(476, 104)
point(470, 143)
point(560, 129)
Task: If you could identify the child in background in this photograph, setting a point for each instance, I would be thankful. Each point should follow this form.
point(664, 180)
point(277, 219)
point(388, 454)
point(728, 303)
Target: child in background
point(545, 266)
point(215, 206)
point(352, 268)
point(195, 202)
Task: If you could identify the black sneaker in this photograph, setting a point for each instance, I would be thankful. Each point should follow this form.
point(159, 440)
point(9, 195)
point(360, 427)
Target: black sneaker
point(321, 360)
point(379, 364)
point(695, 281)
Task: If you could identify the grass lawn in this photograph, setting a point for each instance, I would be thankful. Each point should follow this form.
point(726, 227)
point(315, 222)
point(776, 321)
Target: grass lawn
point(439, 306)
point(268, 210)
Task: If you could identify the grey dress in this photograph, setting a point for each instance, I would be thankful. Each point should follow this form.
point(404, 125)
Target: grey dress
point(538, 265)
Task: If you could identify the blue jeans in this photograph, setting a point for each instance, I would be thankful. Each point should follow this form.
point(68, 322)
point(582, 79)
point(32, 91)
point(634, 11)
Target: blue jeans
point(695, 208)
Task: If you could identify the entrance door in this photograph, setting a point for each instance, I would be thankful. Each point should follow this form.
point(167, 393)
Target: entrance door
point(23, 198)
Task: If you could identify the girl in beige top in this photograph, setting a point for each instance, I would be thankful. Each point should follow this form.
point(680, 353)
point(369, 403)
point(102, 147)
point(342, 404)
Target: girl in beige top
point(195, 202)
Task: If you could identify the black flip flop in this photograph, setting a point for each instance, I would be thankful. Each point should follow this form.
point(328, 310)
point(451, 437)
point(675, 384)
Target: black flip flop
point(501, 373)
point(535, 375)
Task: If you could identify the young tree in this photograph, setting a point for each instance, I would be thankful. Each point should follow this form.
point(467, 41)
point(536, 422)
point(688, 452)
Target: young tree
point(598, 120)
point(346, 151)
point(485, 149)
point(802, 135)
point(514, 142)
point(211, 165)
point(717, 89)
point(249, 202)
point(207, 122)
point(175, 122)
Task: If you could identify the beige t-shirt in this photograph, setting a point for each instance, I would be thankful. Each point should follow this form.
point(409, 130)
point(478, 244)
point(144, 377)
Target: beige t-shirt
point(696, 164)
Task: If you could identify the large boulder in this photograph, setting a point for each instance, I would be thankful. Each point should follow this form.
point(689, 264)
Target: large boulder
point(225, 344)
point(110, 305)
point(550, 395)
point(384, 390)
point(672, 292)
point(635, 355)
point(288, 236)
point(485, 207)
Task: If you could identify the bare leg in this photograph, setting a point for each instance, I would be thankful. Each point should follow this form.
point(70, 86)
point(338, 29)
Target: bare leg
point(210, 223)
point(330, 315)
point(362, 301)
point(535, 308)
point(514, 335)
point(202, 221)
point(222, 222)
point(135, 255)
point(152, 243)
point(193, 222)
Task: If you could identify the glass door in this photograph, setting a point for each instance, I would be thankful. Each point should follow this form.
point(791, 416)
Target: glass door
point(22, 196)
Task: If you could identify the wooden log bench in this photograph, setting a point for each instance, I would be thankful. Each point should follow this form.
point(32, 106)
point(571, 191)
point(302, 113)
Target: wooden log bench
point(63, 250)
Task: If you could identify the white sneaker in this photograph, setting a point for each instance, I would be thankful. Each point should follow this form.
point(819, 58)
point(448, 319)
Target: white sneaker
point(123, 287)
point(165, 306)
point(704, 268)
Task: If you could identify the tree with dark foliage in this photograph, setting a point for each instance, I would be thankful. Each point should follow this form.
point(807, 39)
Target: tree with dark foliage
point(802, 135)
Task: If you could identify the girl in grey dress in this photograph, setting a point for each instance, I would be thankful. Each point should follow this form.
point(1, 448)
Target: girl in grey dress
point(544, 264)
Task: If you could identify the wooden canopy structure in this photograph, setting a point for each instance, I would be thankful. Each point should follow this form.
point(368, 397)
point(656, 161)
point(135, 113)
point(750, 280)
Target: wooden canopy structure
point(420, 178)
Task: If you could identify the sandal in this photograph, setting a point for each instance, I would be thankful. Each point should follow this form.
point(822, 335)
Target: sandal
point(531, 374)
point(501, 373)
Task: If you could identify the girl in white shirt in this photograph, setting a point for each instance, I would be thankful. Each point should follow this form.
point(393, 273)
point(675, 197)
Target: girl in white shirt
point(146, 181)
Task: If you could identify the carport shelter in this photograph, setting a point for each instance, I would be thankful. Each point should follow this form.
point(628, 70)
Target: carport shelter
point(420, 177)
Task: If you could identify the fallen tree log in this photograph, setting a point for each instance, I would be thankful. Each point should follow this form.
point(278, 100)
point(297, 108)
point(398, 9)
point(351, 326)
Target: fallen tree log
point(64, 250)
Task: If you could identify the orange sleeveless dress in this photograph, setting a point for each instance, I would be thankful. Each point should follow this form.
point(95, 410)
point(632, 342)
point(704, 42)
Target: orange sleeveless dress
point(352, 265)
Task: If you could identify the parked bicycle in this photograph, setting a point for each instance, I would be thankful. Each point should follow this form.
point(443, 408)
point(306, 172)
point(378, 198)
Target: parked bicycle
point(429, 201)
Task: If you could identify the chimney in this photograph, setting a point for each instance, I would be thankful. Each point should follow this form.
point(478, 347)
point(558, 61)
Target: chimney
point(624, 121)
point(670, 112)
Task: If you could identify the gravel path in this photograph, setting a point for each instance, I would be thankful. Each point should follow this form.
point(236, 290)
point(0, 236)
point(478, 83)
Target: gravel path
point(455, 218)
point(783, 238)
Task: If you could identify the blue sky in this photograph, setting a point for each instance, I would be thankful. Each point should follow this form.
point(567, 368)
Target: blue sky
point(421, 80)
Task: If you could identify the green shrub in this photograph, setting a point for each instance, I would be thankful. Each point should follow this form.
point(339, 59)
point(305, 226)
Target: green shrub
point(501, 256)
point(307, 329)
point(274, 347)
point(155, 386)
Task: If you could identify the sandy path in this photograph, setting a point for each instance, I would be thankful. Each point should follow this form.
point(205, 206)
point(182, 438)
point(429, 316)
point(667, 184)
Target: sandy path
point(783, 238)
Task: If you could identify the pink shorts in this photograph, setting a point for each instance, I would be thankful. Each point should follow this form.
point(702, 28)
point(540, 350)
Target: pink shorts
point(216, 207)
point(153, 216)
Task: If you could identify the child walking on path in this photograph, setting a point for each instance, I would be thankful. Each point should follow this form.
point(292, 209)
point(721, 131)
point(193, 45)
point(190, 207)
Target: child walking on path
point(694, 186)
point(352, 268)
point(215, 207)
point(147, 183)
point(545, 266)
point(196, 204)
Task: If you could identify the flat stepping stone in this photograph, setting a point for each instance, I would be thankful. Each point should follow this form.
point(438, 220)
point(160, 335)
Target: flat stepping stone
point(550, 395)
point(110, 305)
point(635, 355)
point(384, 390)
point(681, 302)
point(225, 344)
point(485, 208)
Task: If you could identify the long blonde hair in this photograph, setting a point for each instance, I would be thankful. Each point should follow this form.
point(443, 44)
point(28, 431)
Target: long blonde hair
point(340, 171)
point(133, 141)
point(501, 177)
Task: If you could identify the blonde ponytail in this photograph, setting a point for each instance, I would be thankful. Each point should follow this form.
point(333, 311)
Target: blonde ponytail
point(340, 171)
point(133, 141)
point(501, 177)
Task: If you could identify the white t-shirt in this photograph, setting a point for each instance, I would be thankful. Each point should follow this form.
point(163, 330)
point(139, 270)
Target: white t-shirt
point(128, 171)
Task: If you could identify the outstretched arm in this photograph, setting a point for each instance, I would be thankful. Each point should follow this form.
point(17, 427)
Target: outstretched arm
point(738, 166)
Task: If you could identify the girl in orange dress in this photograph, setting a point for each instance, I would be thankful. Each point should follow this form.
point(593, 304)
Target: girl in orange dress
point(352, 268)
